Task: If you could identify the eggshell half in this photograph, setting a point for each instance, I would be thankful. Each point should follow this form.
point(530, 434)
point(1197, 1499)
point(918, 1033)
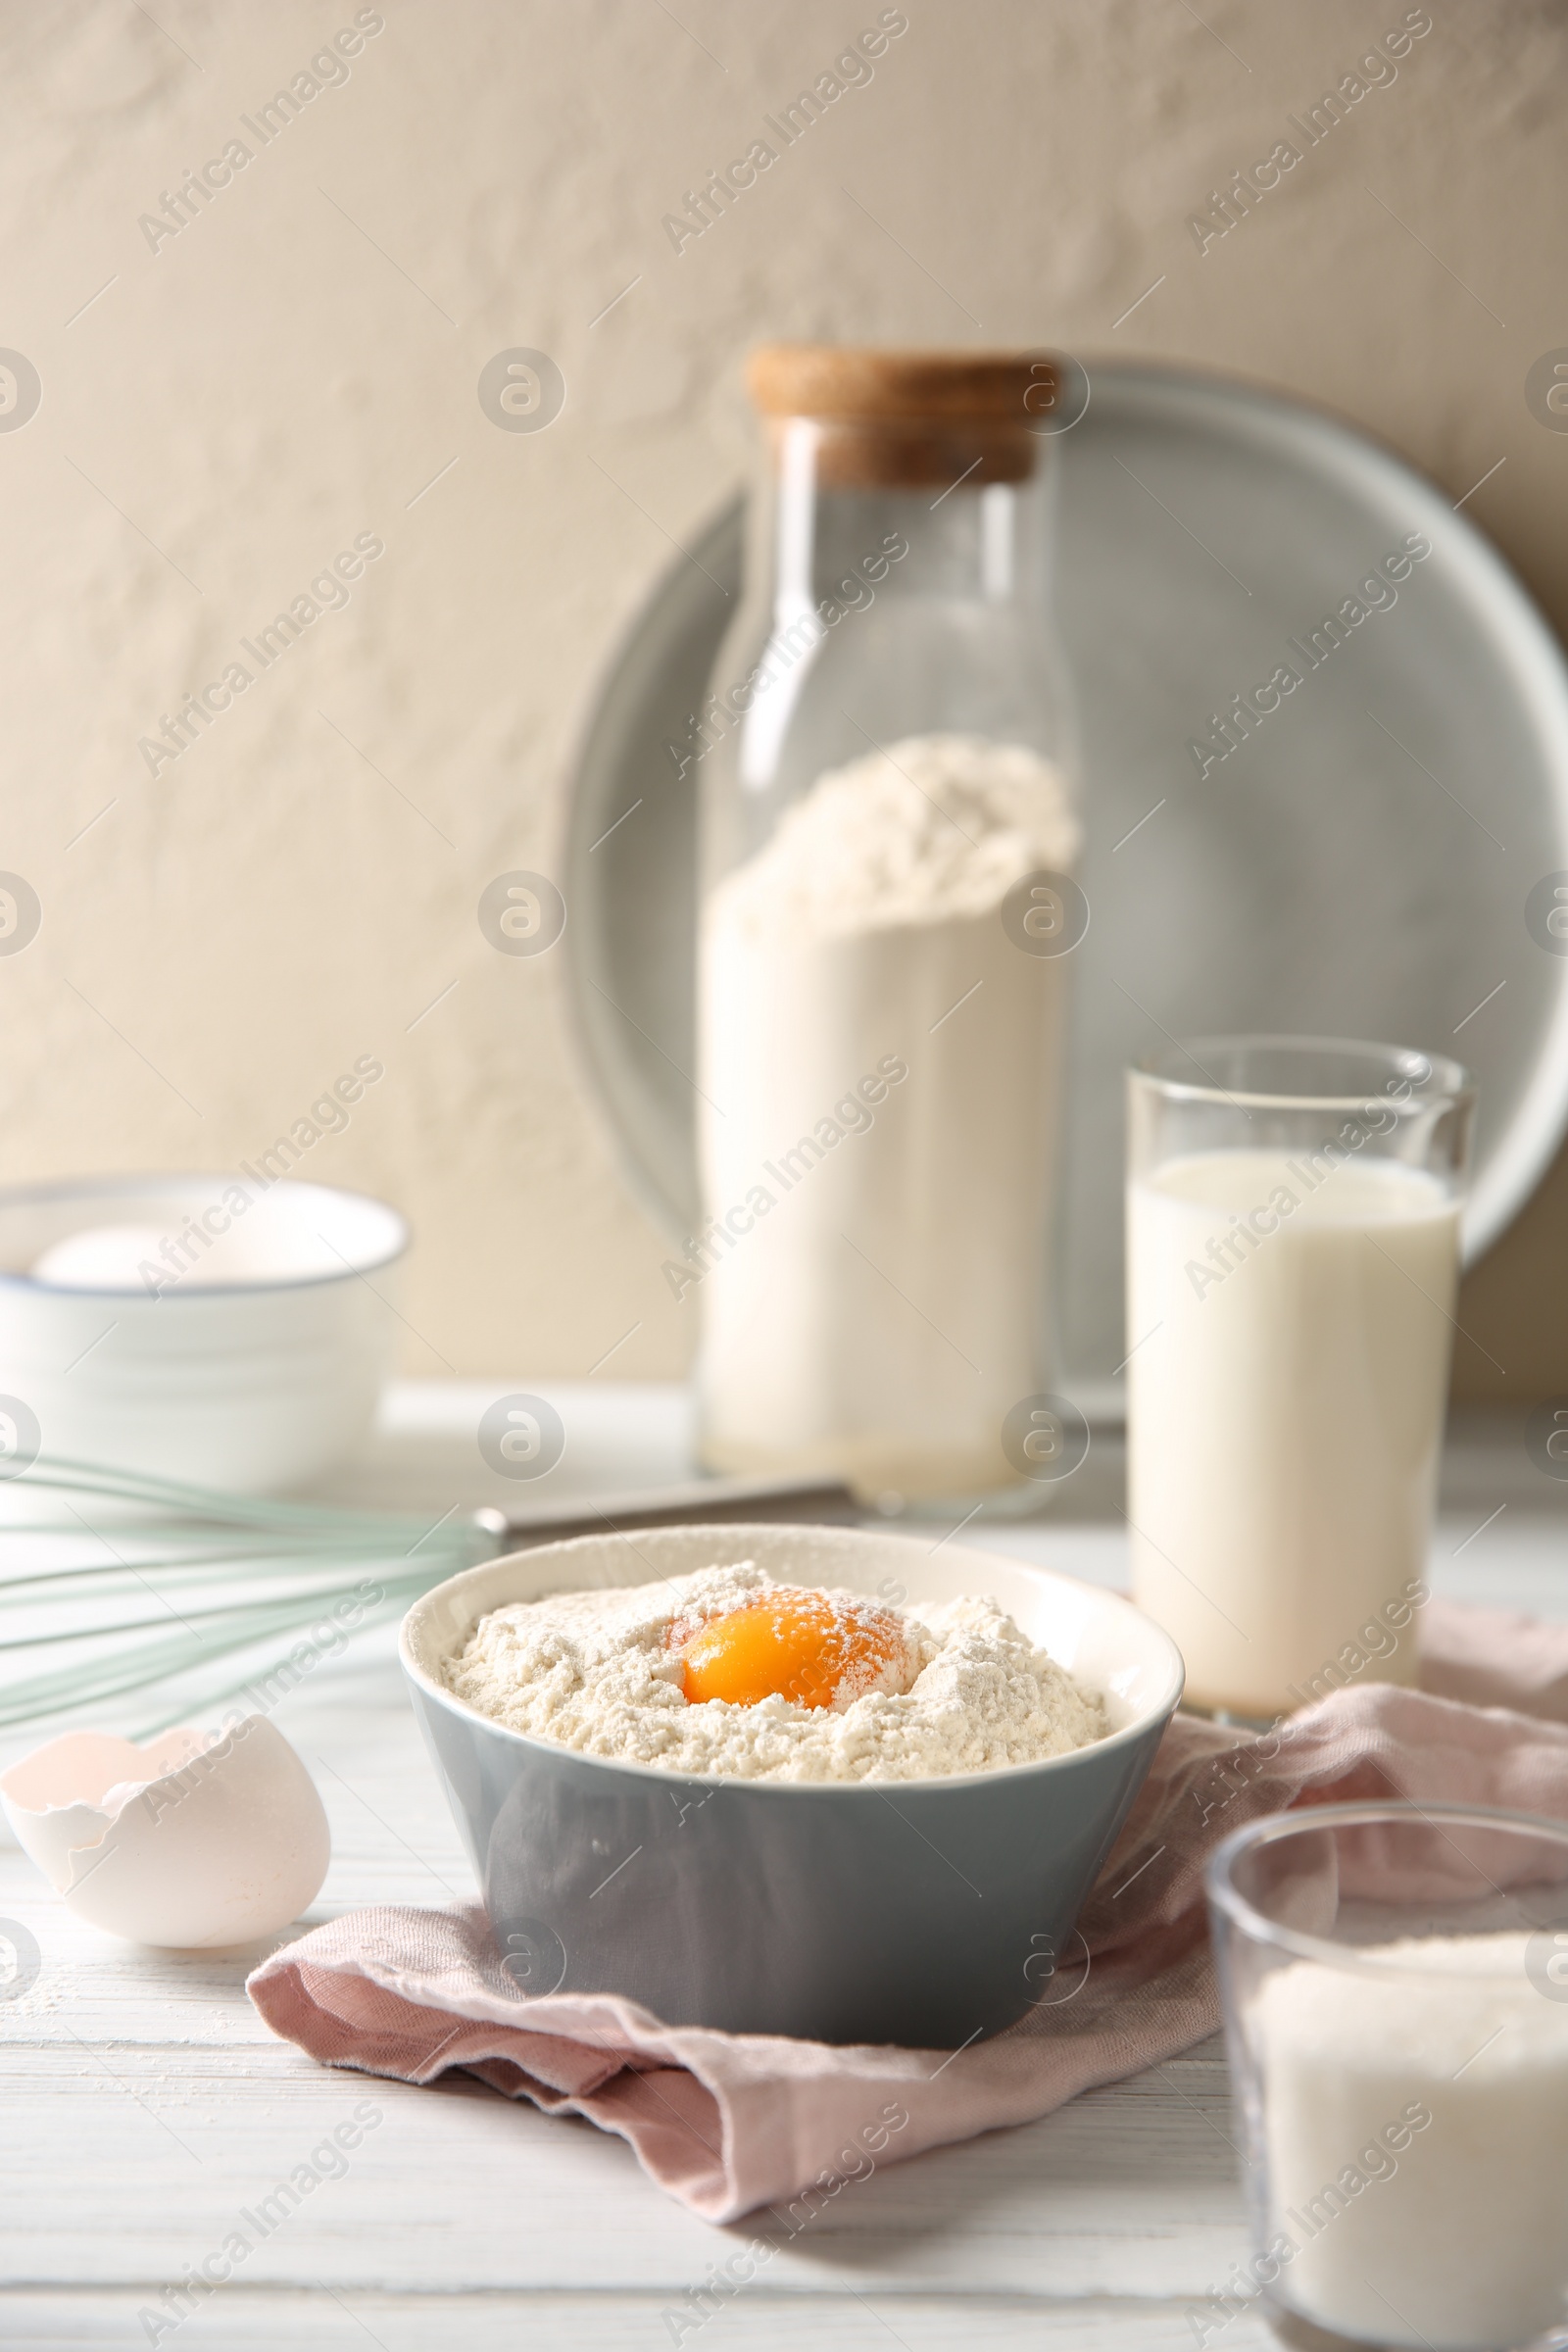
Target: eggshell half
point(197, 1838)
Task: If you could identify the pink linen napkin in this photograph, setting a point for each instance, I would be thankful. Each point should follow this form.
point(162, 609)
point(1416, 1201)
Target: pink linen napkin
point(728, 2123)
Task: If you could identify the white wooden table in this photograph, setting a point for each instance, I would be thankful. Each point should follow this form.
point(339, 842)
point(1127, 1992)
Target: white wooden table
point(144, 2104)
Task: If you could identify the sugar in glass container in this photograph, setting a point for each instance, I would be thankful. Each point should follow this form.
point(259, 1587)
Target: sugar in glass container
point(1394, 1980)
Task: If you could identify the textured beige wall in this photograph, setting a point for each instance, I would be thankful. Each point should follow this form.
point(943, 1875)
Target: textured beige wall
point(222, 938)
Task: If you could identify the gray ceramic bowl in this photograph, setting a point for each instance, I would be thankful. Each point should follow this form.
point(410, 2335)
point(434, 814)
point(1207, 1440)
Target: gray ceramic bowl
point(920, 1912)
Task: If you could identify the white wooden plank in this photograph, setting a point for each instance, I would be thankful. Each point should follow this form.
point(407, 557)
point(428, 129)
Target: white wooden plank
point(242, 2319)
point(140, 2163)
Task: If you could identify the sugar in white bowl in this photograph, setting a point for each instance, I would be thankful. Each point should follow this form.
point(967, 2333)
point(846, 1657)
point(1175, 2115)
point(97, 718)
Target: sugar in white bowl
point(1416, 2107)
point(137, 1258)
point(208, 1327)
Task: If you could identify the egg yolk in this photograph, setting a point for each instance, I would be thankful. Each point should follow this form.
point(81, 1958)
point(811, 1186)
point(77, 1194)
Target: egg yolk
point(793, 1643)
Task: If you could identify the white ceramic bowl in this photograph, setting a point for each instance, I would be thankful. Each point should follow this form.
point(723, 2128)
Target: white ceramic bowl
point(250, 1369)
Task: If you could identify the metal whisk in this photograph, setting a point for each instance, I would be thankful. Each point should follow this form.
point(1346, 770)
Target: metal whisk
point(188, 1581)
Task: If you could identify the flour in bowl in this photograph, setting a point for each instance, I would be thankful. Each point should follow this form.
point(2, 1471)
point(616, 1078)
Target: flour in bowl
point(957, 1689)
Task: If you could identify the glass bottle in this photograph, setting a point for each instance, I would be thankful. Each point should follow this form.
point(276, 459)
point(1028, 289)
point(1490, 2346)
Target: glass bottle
point(886, 912)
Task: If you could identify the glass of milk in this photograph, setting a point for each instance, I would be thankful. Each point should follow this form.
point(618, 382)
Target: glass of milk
point(1394, 1981)
point(1293, 1257)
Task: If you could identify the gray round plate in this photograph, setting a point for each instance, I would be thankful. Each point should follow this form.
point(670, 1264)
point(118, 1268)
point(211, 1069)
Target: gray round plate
point(1358, 866)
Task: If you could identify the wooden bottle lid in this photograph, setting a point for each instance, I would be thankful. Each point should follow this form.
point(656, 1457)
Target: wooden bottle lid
point(906, 419)
point(850, 381)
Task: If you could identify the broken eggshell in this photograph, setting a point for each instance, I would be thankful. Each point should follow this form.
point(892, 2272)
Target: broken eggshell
point(194, 1840)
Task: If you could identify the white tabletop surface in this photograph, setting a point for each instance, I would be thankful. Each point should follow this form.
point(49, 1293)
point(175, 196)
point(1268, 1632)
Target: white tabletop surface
point(145, 2103)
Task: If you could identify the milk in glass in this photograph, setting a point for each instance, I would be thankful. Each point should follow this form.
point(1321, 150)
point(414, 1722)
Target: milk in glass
point(1289, 1318)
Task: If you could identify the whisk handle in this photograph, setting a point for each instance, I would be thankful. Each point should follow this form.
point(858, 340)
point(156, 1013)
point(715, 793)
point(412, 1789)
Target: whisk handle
point(714, 1500)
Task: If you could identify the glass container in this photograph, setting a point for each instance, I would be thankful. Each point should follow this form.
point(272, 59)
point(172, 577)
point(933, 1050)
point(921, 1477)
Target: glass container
point(887, 912)
point(1394, 1981)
